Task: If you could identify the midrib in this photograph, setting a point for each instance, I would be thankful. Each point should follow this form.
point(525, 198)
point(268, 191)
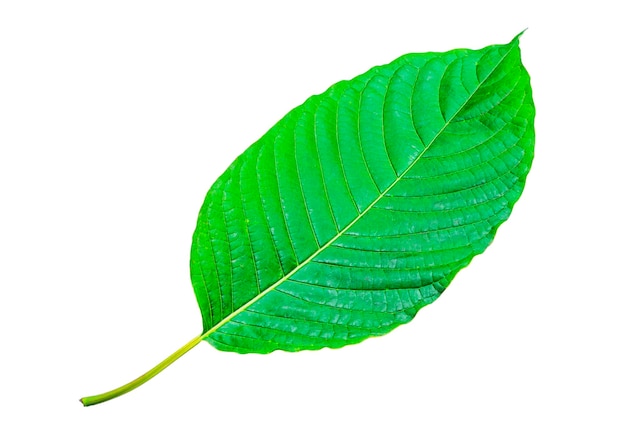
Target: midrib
point(245, 306)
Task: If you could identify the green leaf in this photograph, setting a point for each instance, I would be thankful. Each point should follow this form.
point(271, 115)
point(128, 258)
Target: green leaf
point(359, 207)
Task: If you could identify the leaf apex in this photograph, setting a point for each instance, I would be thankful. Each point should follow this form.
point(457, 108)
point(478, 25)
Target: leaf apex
point(516, 38)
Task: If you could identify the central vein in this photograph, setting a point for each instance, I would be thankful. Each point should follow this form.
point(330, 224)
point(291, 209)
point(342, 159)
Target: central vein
point(245, 306)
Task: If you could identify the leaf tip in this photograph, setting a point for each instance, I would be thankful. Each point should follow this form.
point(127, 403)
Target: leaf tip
point(516, 38)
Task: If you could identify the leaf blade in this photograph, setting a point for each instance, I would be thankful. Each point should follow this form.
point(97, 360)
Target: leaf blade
point(350, 298)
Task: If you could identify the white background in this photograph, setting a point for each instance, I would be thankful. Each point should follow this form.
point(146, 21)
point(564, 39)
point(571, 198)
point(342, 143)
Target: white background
point(117, 116)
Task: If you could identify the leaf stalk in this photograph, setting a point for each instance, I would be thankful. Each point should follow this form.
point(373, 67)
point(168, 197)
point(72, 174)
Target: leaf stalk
point(103, 397)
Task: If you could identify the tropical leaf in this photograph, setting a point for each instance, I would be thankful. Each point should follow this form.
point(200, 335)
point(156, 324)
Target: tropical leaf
point(359, 207)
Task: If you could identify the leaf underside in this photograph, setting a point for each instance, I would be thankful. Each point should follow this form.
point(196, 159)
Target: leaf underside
point(360, 206)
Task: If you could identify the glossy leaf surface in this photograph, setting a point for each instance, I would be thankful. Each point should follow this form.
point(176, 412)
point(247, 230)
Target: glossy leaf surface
point(360, 206)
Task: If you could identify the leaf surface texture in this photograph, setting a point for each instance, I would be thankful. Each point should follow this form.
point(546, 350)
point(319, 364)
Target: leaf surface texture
point(360, 206)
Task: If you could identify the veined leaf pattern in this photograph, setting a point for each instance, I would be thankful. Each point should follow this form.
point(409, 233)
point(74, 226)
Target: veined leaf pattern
point(360, 206)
